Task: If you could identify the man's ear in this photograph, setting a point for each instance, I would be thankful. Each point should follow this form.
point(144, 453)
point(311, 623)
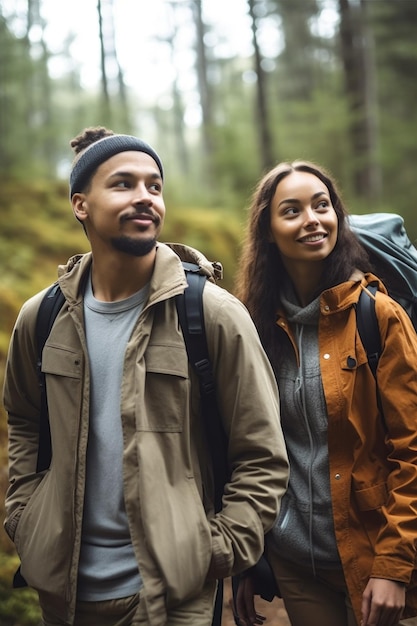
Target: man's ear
point(79, 205)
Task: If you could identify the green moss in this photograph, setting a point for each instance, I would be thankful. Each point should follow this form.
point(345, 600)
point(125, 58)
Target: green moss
point(18, 607)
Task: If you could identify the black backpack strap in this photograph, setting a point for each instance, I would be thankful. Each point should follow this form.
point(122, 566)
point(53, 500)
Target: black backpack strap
point(368, 328)
point(48, 310)
point(191, 318)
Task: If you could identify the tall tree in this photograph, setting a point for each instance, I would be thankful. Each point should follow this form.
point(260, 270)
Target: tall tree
point(113, 85)
point(359, 72)
point(10, 67)
point(40, 102)
point(300, 49)
point(394, 27)
point(105, 94)
point(204, 88)
point(178, 105)
point(25, 106)
point(262, 110)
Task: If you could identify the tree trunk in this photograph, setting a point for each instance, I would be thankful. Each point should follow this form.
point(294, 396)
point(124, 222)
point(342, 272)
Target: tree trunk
point(104, 79)
point(262, 111)
point(203, 84)
point(356, 48)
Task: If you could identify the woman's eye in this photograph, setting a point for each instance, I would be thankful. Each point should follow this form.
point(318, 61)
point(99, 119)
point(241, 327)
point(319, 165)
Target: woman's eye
point(291, 211)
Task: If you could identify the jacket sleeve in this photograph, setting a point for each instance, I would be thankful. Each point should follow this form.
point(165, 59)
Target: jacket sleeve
point(395, 550)
point(22, 401)
point(249, 403)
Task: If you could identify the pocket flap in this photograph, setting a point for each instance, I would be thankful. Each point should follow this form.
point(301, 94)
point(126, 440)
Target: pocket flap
point(167, 359)
point(61, 361)
point(372, 497)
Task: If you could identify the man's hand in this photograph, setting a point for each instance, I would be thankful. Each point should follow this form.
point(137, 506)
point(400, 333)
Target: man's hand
point(382, 602)
point(246, 614)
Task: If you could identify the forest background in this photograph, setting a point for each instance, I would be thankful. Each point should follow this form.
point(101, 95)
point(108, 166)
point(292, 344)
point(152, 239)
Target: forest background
point(223, 90)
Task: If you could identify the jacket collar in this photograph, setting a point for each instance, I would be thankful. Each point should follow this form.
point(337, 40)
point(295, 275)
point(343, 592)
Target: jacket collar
point(168, 278)
point(344, 295)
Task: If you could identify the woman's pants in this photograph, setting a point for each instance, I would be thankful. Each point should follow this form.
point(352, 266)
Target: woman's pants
point(320, 600)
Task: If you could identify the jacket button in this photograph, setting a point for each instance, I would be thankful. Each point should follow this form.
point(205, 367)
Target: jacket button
point(337, 476)
point(351, 362)
point(326, 356)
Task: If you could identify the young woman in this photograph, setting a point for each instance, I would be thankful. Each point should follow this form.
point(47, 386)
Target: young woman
point(343, 549)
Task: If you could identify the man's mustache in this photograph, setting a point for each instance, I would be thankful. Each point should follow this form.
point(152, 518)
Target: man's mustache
point(142, 210)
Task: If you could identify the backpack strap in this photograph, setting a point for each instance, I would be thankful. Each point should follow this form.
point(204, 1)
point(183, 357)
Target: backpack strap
point(48, 310)
point(368, 328)
point(191, 318)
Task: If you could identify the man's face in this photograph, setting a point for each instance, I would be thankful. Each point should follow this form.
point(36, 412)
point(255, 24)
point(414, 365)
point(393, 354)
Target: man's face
point(123, 208)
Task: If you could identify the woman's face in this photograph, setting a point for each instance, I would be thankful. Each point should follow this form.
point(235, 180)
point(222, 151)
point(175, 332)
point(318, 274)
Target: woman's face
point(303, 221)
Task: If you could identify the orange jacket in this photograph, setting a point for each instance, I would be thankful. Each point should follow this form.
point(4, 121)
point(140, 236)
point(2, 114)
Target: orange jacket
point(372, 459)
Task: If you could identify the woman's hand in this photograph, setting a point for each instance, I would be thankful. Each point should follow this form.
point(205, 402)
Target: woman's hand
point(382, 602)
point(245, 612)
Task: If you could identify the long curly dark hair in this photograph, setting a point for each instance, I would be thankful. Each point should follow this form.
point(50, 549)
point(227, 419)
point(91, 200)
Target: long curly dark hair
point(261, 270)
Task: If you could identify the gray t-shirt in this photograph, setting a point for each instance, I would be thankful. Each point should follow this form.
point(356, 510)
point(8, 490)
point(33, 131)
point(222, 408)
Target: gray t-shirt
point(108, 567)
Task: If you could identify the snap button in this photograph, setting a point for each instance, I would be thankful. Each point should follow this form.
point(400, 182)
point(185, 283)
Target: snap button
point(338, 476)
point(326, 356)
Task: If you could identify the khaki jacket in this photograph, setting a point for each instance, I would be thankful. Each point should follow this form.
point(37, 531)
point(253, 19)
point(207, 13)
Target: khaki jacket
point(177, 539)
point(373, 459)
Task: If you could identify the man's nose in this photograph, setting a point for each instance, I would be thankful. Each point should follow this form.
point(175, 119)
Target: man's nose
point(142, 195)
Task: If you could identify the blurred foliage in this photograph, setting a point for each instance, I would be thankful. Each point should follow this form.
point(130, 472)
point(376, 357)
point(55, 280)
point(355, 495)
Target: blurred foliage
point(19, 608)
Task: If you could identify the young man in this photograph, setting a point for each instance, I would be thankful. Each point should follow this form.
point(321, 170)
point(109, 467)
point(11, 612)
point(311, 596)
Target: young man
point(121, 529)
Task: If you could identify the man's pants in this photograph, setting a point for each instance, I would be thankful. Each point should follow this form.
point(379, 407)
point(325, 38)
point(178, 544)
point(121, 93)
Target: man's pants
point(129, 612)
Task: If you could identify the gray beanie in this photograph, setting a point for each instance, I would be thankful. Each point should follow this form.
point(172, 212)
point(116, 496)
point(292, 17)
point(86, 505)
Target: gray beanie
point(89, 159)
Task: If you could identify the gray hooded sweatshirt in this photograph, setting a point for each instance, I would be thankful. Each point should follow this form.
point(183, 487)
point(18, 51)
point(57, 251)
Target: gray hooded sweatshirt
point(304, 532)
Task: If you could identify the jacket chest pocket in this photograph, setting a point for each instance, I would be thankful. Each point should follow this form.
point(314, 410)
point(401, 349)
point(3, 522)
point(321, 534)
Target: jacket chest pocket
point(163, 404)
point(61, 361)
point(63, 369)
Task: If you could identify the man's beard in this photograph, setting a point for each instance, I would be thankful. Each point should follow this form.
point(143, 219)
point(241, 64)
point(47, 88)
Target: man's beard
point(132, 246)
